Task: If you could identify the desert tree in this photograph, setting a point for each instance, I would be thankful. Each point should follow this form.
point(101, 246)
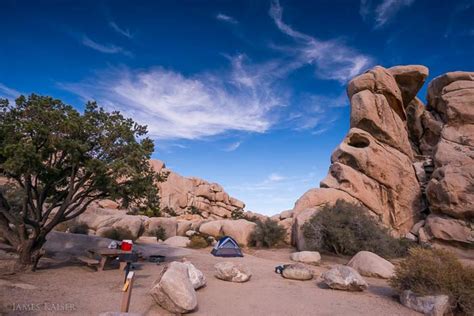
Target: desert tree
point(55, 161)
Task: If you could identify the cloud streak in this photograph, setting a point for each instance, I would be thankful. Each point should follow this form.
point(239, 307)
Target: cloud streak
point(233, 146)
point(332, 59)
point(175, 106)
point(8, 93)
point(226, 18)
point(104, 48)
point(118, 29)
point(386, 10)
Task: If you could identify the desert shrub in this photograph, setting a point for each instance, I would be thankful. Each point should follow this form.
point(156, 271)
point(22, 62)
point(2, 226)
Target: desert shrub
point(346, 229)
point(81, 228)
point(150, 212)
point(198, 242)
point(159, 233)
point(268, 233)
point(238, 213)
point(194, 210)
point(111, 234)
point(118, 234)
point(433, 272)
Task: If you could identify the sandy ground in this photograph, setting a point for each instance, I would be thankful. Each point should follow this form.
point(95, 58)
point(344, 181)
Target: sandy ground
point(82, 291)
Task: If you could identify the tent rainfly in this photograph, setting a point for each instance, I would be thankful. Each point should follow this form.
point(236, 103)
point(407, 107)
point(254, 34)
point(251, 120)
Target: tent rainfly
point(227, 247)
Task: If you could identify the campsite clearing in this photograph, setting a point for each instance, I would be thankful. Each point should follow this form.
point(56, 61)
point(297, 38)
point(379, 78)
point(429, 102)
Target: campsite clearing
point(81, 291)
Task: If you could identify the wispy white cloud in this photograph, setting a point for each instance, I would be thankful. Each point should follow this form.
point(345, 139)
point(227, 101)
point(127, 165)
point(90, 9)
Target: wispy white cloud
point(226, 18)
point(175, 106)
point(388, 9)
point(364, 9)
point(275, 192)
point(104, 48)
point(275, 177)
point(332, 58)
point(118, 29)
point(233, 146)
point(8, 93)
point(383, 12)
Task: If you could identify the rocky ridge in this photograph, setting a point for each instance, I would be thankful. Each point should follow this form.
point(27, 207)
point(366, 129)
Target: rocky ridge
point(410, 164)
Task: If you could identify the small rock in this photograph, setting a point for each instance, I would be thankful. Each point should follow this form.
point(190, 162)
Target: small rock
point(177, 241)
point(297, 271)
point(173, 289)
point(229, 271)
point(190, 233)
point(414, 230)
point(344, 278)
point(146, 240)
point(196, 276)
point(411, 237)
point(310, 257)
point(369, 264)
point(429, 305)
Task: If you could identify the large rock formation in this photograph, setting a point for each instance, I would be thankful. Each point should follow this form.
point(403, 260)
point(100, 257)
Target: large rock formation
point(404, 160)
point(181, 195)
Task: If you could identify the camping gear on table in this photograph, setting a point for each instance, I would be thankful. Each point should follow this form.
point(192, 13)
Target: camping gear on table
point(227, 247)
point(126, 245)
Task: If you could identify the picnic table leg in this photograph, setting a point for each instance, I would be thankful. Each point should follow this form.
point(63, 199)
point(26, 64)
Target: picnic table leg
point(103, 262)
point(123, 265)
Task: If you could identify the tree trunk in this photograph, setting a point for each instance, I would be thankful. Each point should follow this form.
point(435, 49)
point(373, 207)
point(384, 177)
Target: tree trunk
point(30, 252)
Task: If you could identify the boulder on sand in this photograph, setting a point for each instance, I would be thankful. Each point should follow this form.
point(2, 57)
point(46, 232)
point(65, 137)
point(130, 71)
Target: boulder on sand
point(196, 277)
point(229, 271)
point(428, 305)
point(297, 271)
point(173, 289)
point(310, 257)
point(344, 278)
point(177, 241)
point(371, 265)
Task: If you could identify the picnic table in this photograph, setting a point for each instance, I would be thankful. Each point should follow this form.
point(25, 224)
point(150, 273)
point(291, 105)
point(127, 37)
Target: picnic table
point(107, 255)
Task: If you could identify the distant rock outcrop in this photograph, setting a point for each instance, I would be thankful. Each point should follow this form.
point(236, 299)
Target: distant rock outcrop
point(403, 160)
point(181, 195)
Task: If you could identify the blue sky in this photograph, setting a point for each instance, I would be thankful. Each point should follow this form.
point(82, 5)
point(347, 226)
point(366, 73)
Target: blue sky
point(249, 94)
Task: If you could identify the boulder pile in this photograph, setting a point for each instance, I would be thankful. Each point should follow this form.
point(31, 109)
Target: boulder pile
point(181, 195)
point(410, 164)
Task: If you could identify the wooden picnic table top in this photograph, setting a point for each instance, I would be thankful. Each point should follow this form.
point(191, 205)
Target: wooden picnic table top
point(111, 252)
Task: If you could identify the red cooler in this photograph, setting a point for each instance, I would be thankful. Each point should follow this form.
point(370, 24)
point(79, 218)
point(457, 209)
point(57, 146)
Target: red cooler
point(126, 245)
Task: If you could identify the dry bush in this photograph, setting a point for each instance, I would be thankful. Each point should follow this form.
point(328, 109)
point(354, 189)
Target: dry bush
point(268, 233)
point(346, 229)
point(434, 272)
point(118, 234)
point(81, 228)
point(198, 242)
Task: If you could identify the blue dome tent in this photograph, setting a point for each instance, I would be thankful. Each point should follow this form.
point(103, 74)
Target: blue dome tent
point(227, 247)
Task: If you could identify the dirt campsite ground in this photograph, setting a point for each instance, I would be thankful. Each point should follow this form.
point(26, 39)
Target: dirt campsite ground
point(68, 288)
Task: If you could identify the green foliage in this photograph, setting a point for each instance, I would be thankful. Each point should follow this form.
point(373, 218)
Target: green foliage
point(159, 233)
point(194, 210)
point(151, 212)
point(238, 213)
point(433, 272)
point(268, 233)
point(198, 242)
point(63, 160)
point(81, 228)
point(346, 229)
